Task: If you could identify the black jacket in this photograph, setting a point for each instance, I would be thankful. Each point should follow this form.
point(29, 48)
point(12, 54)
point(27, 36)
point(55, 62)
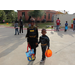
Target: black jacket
point(44, 40)
point(21, 22)
point(32, 34)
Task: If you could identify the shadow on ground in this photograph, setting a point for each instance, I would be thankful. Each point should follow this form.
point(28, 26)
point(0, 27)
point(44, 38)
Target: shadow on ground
point(12, 48)
point(61, 33)
point(16, 40)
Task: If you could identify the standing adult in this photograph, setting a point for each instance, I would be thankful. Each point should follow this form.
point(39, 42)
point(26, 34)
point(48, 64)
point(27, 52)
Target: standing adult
point(29, 24)
point(32, 36)
point(57, 24)
point(21, 24)
point(74, 24)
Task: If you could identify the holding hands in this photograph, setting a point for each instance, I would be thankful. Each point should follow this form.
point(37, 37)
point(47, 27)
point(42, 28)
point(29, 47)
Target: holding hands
point(36, 43)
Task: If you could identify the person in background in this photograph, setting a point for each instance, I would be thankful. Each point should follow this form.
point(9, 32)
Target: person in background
point(66, 26)
point(21, 24)
point(29, 24)
point(74, 24)
point(16, 27)
point(57, 24)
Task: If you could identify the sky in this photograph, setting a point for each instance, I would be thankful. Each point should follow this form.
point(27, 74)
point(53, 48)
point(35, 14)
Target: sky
point(15, 10)
point(69, 11)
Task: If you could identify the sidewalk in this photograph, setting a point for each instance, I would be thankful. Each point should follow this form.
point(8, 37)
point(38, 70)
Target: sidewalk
point(13, 48)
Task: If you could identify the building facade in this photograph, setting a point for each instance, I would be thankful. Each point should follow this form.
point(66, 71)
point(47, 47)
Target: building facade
point(49, 15)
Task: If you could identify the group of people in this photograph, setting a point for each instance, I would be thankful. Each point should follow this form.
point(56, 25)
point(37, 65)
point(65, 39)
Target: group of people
point(58, 24)
point(32, 35)
point(66, 25)
point(21, 25)
point(16, 26)
point(32, 39)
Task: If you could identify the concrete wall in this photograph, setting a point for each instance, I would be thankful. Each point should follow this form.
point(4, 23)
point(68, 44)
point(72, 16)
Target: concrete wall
point(63, 18)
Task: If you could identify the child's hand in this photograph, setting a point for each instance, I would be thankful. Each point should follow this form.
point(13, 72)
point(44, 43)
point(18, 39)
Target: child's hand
point(36, 43)
point(48, 47)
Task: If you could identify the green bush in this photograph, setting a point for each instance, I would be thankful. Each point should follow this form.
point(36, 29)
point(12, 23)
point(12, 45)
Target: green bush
point(8, 20)
point(2, 16)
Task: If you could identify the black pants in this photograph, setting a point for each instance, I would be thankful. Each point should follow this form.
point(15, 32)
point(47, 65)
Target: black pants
point(32, 42)
point(65, 30)
point(35, 51)
point(33, 48)
point(43, 52)
point(21, 29)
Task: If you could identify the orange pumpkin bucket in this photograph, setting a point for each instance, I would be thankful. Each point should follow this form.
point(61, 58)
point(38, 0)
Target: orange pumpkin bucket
point(48, 53)
point(7, 23)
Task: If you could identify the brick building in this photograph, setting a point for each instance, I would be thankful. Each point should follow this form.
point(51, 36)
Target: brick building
point(49, 15)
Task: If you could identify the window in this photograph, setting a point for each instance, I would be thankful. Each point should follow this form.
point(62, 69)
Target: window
point(52, 17)
point(23, 13)
point(48, 16)
point(45, 16)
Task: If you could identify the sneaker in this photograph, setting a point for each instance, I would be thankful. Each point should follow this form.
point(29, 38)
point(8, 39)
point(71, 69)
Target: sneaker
point(41, 61)
point(44, 59)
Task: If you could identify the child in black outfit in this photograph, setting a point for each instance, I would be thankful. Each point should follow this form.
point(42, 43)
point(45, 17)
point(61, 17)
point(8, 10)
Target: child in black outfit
point(44, 40)
point(32, 36)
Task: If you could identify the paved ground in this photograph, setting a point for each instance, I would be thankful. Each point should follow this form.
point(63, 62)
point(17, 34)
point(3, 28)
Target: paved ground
point(13, 48)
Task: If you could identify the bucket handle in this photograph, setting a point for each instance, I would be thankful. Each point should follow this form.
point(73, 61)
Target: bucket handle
point(29, 47)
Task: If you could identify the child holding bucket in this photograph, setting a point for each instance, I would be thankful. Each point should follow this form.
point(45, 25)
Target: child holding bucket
point(44, 40)
point(66, 26)
point(32, 36)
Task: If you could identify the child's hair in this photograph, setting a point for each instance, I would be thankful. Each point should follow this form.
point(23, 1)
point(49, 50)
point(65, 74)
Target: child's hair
point(16, 21)
point(32, 19)
point(57, 18)
point(43, 29)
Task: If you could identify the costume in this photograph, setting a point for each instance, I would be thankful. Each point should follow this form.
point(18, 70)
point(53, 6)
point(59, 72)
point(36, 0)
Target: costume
point(44, 40)
point(32, 37)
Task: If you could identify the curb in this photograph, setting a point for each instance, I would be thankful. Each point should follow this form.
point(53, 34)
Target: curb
point(38, 29)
